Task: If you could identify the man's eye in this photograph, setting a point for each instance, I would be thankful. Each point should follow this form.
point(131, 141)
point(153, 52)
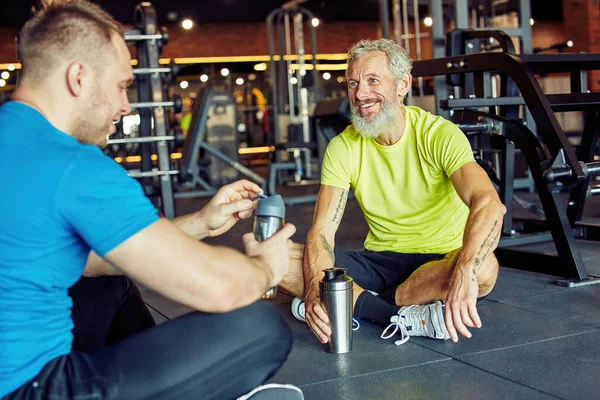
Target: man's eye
point(374, 80)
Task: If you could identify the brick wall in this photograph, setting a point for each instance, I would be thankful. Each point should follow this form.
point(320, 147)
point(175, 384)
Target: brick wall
point(582, 25)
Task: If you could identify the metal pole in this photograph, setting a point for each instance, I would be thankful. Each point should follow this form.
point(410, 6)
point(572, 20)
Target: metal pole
point(418, 40)
point(406, 33)
point(397, 22)
point(384, 18)
point(438, 41)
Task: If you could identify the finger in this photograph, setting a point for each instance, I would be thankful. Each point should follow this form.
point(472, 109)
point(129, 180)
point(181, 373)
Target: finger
point(450, 324)
point(320, 312)
point(318, 321)
point(284, 233)
point(456, 318)
point(323, 338)
point(474, 315)
point(246, 185)
point(235, 207)
point(245, 214)
point(249, 239)
point(465, 317)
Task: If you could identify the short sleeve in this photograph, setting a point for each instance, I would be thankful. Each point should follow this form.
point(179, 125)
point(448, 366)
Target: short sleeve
point(450, 147)
point(101, 203)
point(336, 165)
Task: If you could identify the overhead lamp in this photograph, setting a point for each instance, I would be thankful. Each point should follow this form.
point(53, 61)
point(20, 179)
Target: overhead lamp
point(2, 83)
point(187, 24)
point(428, 21)
point(326, 76)
point(239, 81)
point(260, 67)
point(184, 84)
point(293, 80)
point(203, 78)
point(5, 75)
point(11, 67)
point(315, 22)
point(531, 21)
point(224, 72)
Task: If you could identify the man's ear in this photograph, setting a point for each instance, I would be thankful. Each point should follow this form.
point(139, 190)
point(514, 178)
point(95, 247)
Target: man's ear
point(404, 85)
point(76, 77)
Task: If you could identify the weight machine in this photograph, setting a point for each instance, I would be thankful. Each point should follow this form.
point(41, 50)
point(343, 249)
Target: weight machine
point(554, 166)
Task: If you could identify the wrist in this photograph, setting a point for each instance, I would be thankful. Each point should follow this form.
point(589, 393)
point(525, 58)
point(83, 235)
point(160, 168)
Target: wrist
point(268, 274)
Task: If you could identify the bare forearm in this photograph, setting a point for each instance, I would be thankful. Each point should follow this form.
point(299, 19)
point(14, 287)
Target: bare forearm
point(319, 255)
point(192, 225)
point(482, 234)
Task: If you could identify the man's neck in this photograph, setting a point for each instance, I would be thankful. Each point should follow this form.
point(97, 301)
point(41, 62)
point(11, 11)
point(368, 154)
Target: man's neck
point(29, 97)
point(394, 134)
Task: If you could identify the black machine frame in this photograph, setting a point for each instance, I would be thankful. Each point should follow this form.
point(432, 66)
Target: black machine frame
point(553, 163)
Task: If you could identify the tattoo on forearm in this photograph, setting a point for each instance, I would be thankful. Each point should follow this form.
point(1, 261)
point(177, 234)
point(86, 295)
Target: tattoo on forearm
point(328, 248)
point(339, 210)
point(487, 246)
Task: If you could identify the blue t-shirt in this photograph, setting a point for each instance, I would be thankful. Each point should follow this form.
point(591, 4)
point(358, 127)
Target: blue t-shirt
point(59, 199)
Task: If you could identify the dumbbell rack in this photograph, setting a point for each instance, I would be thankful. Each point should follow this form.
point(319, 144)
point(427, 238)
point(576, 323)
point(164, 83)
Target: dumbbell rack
point(153, 129)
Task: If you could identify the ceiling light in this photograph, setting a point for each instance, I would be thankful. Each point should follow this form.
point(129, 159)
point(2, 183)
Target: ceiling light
point(570, 43)
point(315, 22)
point(224, 72)
point(203, 78)
point(2, 83)
point(428, 21)
point(239, 81)
point(11, 67)
point(293, 80)
point(184, 84)
point(252, 77)
point(340, 79)
point(326, 76)
point(187, 23)
point(260, 67)
point(531, 21)
point(5, 75)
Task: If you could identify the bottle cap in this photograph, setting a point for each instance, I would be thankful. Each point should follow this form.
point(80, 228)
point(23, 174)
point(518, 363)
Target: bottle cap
point(335, 279)
point(271, 206)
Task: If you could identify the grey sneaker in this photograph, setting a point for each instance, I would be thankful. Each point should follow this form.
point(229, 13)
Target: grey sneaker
point(418, 320)
point(274, 391)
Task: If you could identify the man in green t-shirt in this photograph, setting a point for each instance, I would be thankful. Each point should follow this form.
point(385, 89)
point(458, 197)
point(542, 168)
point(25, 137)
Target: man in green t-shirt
point(434, 216)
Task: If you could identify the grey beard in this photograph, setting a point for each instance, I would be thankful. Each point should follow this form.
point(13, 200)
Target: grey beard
point(380, 125)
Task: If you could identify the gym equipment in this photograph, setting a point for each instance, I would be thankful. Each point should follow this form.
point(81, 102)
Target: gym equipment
point(212, 133)
point(153, 130)
point(554, 166)
point(290, 94)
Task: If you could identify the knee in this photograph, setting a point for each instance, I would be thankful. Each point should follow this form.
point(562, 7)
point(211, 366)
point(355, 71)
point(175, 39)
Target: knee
point(262, 323)
point(488, 275)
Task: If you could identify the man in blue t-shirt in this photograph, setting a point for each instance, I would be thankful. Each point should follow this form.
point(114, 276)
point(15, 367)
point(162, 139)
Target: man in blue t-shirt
point(69, 211)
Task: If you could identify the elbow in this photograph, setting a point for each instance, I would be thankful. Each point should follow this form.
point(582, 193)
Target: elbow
point(226, 297)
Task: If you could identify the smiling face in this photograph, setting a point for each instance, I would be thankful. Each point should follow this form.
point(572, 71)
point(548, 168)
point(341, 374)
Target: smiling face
point(375, 96)
point(107, 99)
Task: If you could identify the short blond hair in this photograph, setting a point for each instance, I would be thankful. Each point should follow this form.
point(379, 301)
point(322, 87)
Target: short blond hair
point(64, 30)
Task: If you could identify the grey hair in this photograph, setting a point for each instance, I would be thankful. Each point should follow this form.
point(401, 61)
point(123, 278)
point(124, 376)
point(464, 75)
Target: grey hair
point(399, 61)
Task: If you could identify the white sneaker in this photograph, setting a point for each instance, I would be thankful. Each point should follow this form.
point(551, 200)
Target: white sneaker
point(418, 320)
point(298, 309)
point(274, 391)
point(299, 312)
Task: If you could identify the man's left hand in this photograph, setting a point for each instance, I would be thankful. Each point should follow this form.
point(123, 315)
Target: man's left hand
point(461, 310)
point(231, 203)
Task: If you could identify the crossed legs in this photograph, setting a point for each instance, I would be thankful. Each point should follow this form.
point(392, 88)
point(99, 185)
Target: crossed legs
point(426, 284)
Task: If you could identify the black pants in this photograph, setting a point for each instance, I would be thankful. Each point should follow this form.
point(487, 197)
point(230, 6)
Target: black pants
point(118, 354)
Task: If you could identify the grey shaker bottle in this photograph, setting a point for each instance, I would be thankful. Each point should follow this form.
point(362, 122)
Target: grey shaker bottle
point(270, 217)
point(336, 289)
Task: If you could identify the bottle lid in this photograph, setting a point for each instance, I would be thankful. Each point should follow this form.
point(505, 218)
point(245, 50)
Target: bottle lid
point(271, 206)
point(335, 279)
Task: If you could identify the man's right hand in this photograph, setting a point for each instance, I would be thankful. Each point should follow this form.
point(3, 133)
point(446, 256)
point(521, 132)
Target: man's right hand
point(315, 315)
point(274, 253)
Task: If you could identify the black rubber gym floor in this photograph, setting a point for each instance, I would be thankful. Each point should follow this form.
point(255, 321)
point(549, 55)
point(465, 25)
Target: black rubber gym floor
point(538, 340)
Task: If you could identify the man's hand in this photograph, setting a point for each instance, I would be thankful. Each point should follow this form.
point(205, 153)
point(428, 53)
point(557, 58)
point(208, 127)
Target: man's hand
point(461, 310)
point(273, 253)
point(315, 315)
point(231, 203)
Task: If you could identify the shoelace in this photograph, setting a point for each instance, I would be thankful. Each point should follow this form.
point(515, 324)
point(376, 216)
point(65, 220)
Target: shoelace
point(397, 326)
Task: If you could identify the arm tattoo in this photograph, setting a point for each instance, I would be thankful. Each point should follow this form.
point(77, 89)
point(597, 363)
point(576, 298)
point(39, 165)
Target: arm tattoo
point(487, 245)
point(328, 248)
point(339, 210)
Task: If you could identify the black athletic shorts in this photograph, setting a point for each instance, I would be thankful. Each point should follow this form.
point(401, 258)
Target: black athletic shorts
point(380, 271)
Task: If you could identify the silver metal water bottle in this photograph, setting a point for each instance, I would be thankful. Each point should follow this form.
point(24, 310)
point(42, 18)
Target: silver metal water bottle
point(336, 289)
point(270, 217)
